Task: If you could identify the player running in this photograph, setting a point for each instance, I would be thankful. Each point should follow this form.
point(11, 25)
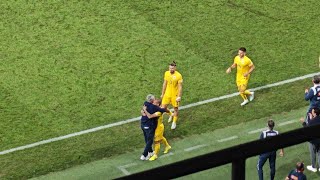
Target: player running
point(244, 69)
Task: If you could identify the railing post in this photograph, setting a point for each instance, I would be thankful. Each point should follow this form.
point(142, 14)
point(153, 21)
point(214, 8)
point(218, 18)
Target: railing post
point(239, 169)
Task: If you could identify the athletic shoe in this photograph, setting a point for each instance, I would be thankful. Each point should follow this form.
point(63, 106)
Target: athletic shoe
point(251, 97)
point(244, 102)
point(149, 155)
point(310, 168)
point(142, 158)
point(170, 118)
point(166, 150)
point(174, 125)
point(154, 157)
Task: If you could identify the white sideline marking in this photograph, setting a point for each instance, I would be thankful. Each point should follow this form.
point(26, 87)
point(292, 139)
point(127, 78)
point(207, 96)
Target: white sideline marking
point(166, 155)
point(138, 118)
point(227, 139)
point(257, 130)
point(124, 170)
point(288, 122)
point(195, 147)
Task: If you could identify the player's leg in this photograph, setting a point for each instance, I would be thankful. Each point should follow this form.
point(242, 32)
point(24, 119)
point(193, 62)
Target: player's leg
point(170, 116)
point(150, 140)
point(164, 104)
point(247, 92)
point(317, 148)
point(149, 133)
point(157, 140)
point(175, 105)
point(241, 89)
point(145, 152)
point(156, 151)
point(272, 163)
point(168, 147)
point(262, 159)
point(165, 101)
point(175, 118)
point(312, 150)
point(163, 139)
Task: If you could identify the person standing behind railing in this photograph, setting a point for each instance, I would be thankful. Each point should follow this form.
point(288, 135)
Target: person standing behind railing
point(297, 174)
point(314, 145)
point(313, 95)
point(268, 155)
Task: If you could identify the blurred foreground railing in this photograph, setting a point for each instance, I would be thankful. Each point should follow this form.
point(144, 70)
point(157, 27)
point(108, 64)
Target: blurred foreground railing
point(236, 155)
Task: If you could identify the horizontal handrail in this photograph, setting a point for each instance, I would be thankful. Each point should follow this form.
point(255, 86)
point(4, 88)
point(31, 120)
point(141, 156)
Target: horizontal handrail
point(229, 155)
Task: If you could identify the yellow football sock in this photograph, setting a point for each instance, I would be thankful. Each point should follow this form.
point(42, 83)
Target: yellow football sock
point(165, 142)
point(156, 147)
point(247, 92)
point(244, 97)
point(175, 118)
point(170, 113)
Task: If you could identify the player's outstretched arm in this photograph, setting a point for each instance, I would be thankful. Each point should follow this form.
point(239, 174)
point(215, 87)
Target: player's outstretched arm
point(231, 67)
point(148, 114)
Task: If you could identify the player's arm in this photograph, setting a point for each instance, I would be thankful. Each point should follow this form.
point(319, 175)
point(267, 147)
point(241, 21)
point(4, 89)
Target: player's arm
point(148, 114)
point(281, 153)
point(162, 110)
point(164, 87)
point(231, 67)
point(293, 177)
point(179, 91)
point(308, 94)
point(250, 70)
point(142, 113)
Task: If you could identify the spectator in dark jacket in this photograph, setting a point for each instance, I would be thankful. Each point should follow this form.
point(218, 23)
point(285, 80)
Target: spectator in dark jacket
point(297, 174)
point(313, 95)
point(314, 145)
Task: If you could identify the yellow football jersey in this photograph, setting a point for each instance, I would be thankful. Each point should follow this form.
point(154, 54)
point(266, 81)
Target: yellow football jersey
point(158, 135)
point(243, 66)
point(160, 119)
point(172, 83)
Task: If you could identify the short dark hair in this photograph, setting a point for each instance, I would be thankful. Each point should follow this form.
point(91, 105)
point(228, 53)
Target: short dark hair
point(316, 79)
point(243, 49)
point(300, 166)
point(173, 63)
point(270, 124)
point(316, 110)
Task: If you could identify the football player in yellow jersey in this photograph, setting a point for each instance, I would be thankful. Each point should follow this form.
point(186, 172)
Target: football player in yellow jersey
point(244, 69)
point(158, 137)
point(172, 91)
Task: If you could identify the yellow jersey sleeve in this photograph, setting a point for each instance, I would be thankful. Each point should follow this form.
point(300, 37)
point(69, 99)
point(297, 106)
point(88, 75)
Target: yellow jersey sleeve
point(180, 80)
point(249, 62)
point(158, 114)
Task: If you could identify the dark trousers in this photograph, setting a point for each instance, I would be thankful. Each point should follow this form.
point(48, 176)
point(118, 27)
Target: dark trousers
point(314, 154)
point(272, 162)
point(148, 132)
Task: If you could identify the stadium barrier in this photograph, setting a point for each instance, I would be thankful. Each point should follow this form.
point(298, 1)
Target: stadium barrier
point(236, 155)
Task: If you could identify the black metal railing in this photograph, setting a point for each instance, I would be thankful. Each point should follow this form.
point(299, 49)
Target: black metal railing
point(236, 155)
